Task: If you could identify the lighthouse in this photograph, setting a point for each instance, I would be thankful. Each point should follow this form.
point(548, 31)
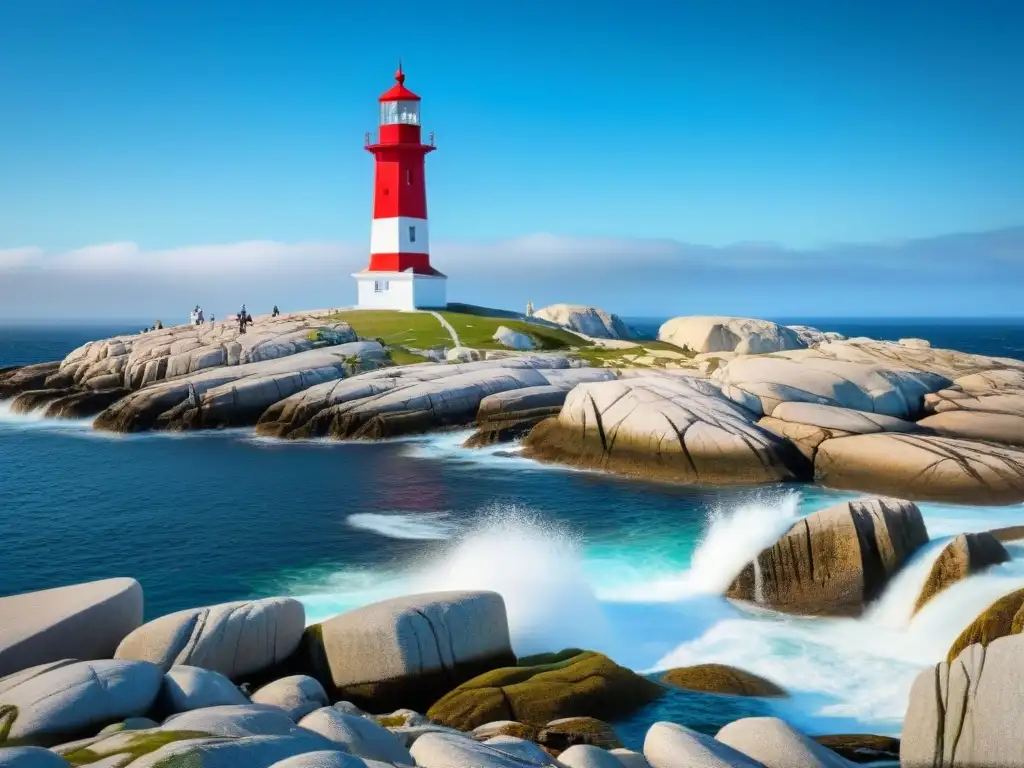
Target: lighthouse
point(399, 275)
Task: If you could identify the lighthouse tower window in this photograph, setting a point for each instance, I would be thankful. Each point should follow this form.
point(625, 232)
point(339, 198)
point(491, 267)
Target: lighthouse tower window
point(412, 234)
point(399, 112)
point(380, 286)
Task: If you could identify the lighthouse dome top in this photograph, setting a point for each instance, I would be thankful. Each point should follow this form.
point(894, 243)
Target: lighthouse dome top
point(398, 92)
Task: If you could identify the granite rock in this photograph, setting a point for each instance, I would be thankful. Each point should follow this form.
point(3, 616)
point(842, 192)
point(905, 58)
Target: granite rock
point(410, 399)
point(836, 561)
point(49, 703)
point(81, 621)
point(358, 735)
point(186, 688)
point(763, 383)
point(409, 650)
point(589, 321)
point(729, 334)
point(775, 744)
point(297, 695)
point(966, 713)
point(235, 639)
point(926, 467)
point(966, 554)
point(668, 745)
point(664, 426)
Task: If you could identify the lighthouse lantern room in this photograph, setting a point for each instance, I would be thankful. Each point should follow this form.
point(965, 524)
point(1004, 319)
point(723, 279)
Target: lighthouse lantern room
point(399, 275)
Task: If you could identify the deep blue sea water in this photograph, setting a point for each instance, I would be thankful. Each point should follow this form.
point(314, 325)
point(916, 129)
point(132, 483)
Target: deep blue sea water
point(628, 567)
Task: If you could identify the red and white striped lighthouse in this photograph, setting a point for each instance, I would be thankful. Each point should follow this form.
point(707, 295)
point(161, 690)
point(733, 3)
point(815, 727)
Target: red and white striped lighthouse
point(399, 275)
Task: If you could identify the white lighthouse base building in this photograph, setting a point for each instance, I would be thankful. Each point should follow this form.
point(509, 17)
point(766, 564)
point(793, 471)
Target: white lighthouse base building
point(401, 290)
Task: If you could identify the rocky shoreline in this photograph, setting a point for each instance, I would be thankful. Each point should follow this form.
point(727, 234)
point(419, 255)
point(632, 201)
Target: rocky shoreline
point(432, 680)
point(723, 400)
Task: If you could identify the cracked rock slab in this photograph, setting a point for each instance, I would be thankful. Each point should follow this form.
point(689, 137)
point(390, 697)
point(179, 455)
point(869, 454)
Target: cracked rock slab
point(763, 383)
point(927, 467)
point(411, 399)
point(966, 713)
point(836, 561)
point(669, 427)
point(233, 395)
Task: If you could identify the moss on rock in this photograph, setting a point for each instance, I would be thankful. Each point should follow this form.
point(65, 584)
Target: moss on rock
point(585, 684)
point(721, 678)
point(1004, 617)
point(559, 735)
point(133, 743)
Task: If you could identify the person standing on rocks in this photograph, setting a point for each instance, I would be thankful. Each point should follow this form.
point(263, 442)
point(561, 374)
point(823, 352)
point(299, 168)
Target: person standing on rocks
point(276, 311)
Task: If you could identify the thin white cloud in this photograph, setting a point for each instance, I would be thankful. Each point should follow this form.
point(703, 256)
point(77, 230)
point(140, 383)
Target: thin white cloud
point(960, 273)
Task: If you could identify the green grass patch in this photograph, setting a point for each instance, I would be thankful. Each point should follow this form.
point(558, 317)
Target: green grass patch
point(627, 356)
point(400, 356)
point(392, 328)
point(477, 331)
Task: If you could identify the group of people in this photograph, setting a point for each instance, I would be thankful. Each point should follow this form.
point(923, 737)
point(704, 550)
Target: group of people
point(196, 317)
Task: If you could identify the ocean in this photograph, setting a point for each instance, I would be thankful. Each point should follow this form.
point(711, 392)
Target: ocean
point(631, 568)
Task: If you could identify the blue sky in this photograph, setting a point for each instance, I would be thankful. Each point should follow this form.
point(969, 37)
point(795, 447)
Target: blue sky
point(802, 124)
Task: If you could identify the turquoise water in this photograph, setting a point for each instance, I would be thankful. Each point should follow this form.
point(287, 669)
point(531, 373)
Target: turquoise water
point(626, 567)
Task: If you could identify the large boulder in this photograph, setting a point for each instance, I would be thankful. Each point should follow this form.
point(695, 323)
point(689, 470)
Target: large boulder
point(664, 426)
point(82, 621)
point(408, 651)
point(924, 467)
point(668, 745)
point(589, 321)
point(966, 554)
point(297, 695)
point(776, 744)
point(1003, 618)
point(762, 384)
point(358, 735)
point(55, 702)
point(835, 561)
point(409, 399)
point(729, 334)
point(721, 678)
point(584, 684)
point(236, 639)
point(186, 688)
point(445, 750)
point(966, 713)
